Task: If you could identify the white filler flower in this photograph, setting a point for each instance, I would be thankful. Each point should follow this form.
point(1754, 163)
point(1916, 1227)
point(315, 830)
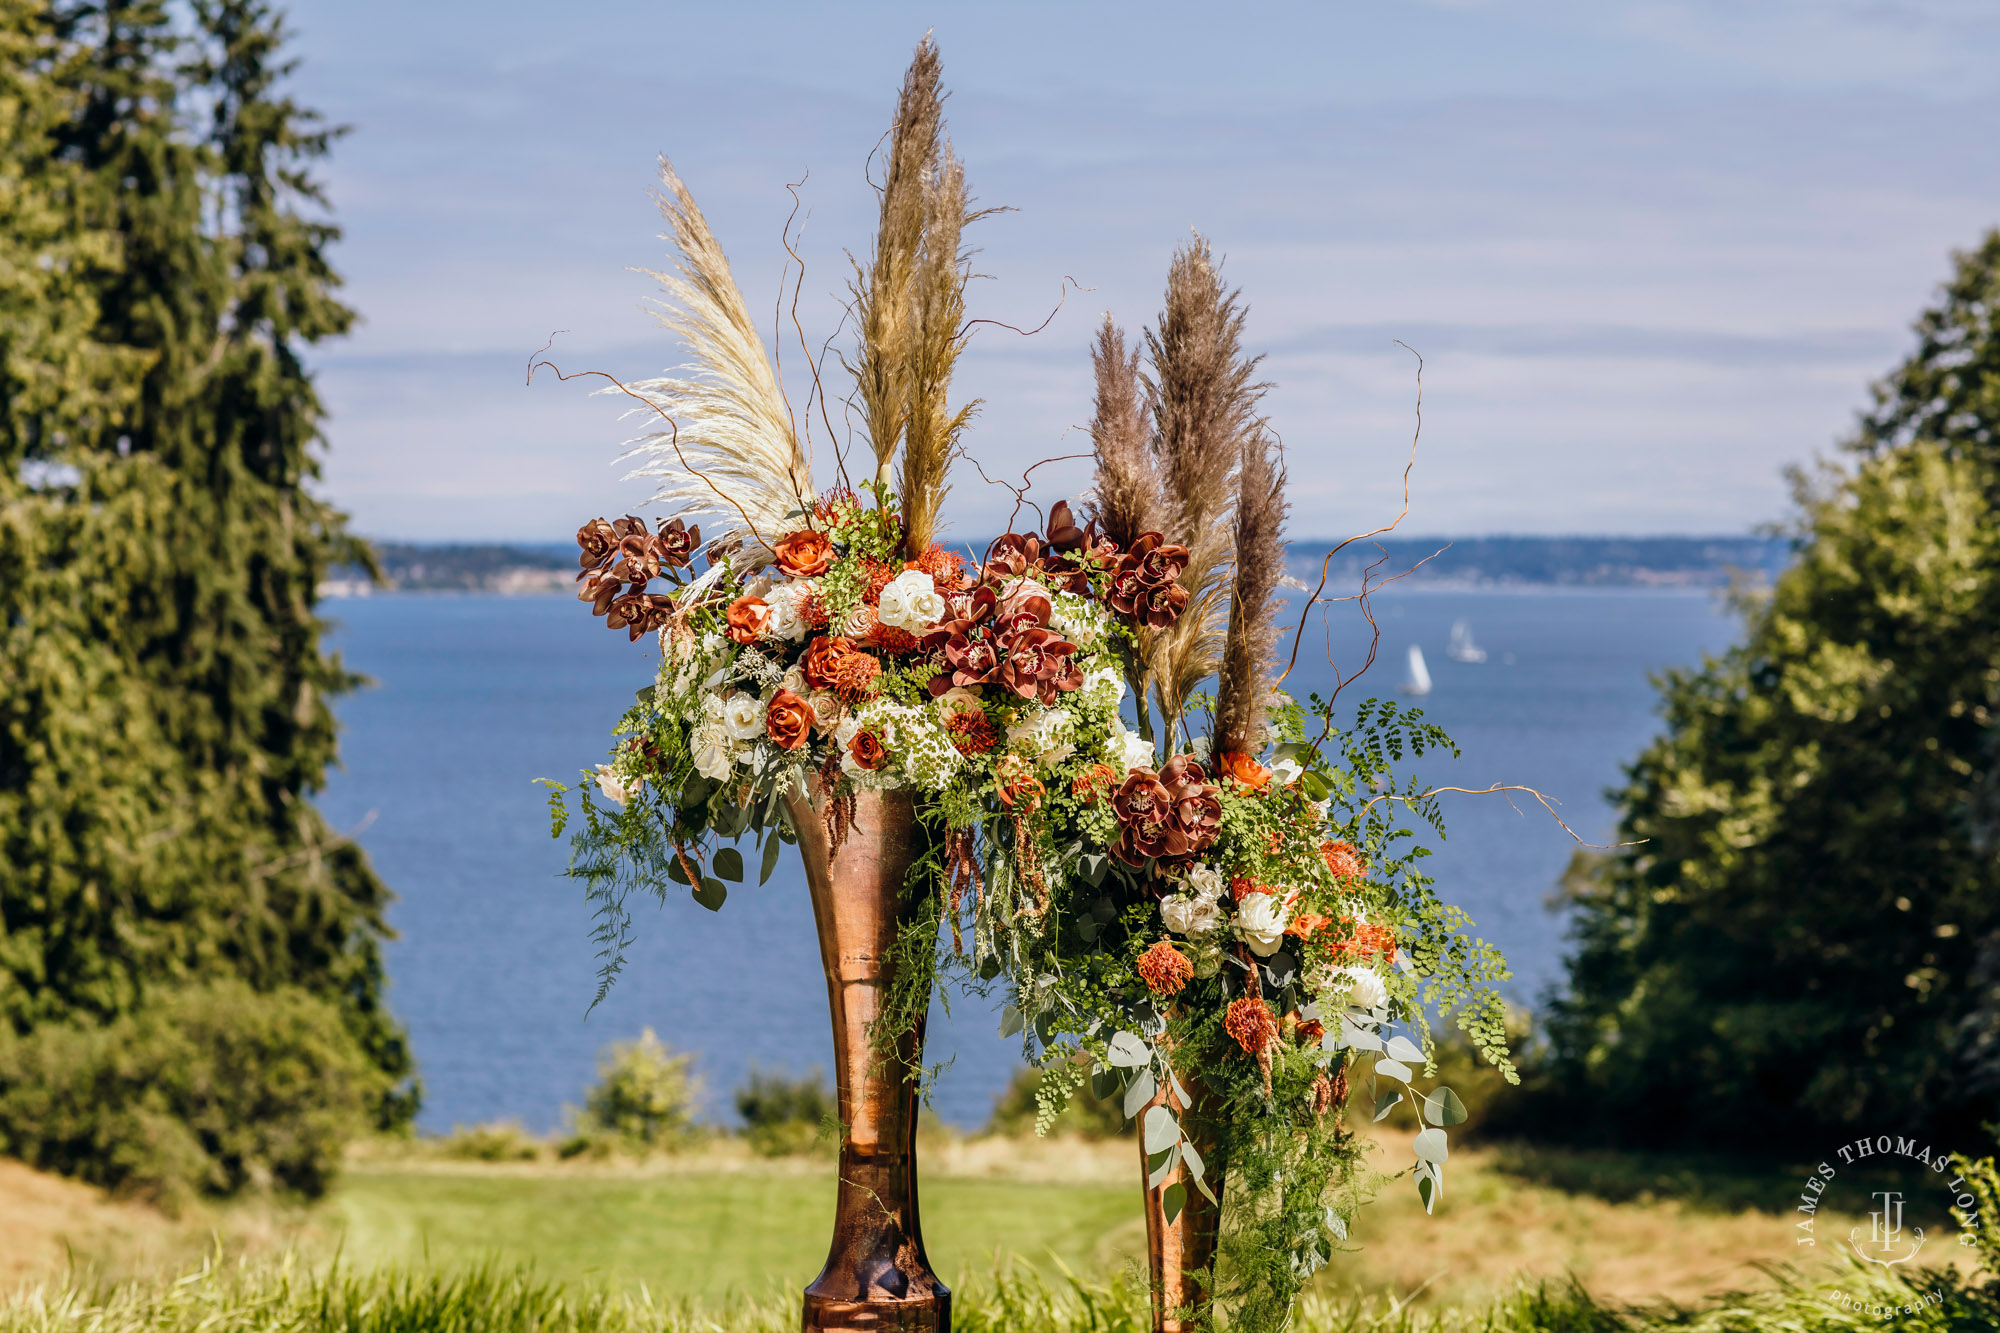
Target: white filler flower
point(1364, 989)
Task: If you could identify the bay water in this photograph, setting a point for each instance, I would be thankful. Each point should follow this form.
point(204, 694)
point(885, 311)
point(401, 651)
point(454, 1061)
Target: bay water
point(493, 967)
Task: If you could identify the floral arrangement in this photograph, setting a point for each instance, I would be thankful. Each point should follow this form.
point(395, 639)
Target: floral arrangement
point(1197, 891)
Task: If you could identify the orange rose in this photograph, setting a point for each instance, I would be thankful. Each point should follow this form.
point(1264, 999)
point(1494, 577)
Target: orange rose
point(1245, 770)
point(866, 747)
point(1302, 925)
point(788, 721)
point(748, 618)
point(804, 555)
point(822, 661)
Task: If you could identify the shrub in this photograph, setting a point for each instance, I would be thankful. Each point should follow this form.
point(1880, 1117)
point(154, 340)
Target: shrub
point(201, 1091)
point(644, 1100)
point(787, 1115)
point(499, 1141)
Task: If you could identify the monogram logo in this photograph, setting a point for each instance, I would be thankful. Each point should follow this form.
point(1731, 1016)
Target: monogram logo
point(1885, 1232)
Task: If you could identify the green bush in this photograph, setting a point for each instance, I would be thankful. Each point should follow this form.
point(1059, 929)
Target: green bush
point(643, 1101)
point(499, 1141)
point(201, 1091)
point(787, 1115)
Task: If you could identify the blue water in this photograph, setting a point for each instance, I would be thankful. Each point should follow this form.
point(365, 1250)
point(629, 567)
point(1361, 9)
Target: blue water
point(493, 967)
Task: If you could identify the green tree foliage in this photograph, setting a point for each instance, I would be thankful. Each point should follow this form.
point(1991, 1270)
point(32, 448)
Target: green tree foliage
point(164, 702)
point(788, 1115)
point(1791, 948)
point(643, 1100)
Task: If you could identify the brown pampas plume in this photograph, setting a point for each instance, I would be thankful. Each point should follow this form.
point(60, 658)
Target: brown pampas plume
point(933, 428)
point(1126, 499)
point(1260, 563)
point(1206, 409)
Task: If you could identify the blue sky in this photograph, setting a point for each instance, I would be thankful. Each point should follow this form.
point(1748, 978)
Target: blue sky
point(1651, 252)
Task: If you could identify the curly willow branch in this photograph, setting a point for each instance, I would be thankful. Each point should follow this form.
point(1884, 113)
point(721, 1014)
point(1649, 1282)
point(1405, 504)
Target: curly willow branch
point(1547, 804)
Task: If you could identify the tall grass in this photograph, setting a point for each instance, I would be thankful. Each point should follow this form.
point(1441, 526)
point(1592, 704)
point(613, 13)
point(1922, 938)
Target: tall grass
point(290, 1297)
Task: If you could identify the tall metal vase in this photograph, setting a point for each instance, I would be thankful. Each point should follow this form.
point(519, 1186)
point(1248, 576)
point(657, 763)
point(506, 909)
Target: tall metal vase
point(1177, 1251)
point(877, 1276)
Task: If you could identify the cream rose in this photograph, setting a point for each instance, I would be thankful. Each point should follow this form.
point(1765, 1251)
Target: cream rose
point(615, 789)
point(1364, 989)
point(743, 717)
point(828, 710)
point(1041, 736)
point(1186, 915)
point(957, 699)
point(788, 617)
point(1129, 750)
point(910, 602)
point(714, 752)
point(1260, 921)
point(1204, 882)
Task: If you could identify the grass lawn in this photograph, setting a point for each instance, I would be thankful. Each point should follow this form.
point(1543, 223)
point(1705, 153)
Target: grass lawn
point(705, 1235)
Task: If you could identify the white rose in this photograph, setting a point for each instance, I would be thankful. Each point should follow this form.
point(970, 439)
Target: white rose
point(1039, 736)
point(1364, 989)
point(1105, 678)
point(845, 730)
point(1286, 771)
point(613, 788)
point(788, 618)
point(1186, 915)
point(795, 681)
point(743, 716)
point(714, 752)
point(1204, 882)
point(1129, 750)
point(910, 602)
point(957, 699)
point(1018, 591)
point(1260, 921)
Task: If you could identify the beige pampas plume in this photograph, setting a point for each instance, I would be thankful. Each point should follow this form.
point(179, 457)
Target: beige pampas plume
point(1126, 499)
point(1206, 410)
point(731, 448)
point(932, 431)
point(1243, 685)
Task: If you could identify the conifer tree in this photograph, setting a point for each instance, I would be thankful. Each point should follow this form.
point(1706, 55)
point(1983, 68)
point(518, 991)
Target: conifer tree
point(164, 700)
point(1791, 949)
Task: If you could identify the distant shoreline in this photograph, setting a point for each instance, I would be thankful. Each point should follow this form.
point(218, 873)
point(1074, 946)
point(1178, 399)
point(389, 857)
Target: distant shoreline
point(1435, 564)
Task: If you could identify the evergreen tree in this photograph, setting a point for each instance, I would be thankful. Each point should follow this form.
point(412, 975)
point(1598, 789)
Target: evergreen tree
point(1790, 951)
point(164, 701)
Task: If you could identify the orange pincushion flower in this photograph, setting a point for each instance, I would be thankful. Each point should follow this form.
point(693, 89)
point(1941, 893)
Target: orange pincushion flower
point(1164, 969)
point(880, 572)
point(946, 568)
point(1242, 886)
point(1367, 939)
point(1094, 783)
point(971, 731)
point(1235, 764)
point(1249, 1021)
point(890, 639)
point(1017, 785)
point(1342, 861)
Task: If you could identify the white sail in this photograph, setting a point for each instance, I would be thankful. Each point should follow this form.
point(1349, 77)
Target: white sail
point(1462, 648)
point(1420, 675)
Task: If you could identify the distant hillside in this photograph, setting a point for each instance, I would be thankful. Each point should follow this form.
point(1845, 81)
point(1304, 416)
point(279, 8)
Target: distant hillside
point(1610, 562)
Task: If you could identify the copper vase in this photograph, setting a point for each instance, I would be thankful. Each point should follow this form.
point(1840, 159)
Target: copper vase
point(1178, 1251)
point(877, 1275)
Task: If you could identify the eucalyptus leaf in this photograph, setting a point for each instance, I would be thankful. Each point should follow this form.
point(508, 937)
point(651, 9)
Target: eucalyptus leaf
point(771, 846)
point(1142, 1090)
point(1316, 786)
point(1172, 1200)
point(727, 863)
point(1336, 1224)
point(1427, 1190)
point(1161, 1131)
point(645, 696)
point(1386, 1104)
point(1442, 1107)
point(1360, 1038)
point(1128, 1050)
point(711, 893)
point(1180, 1093)
point(1104, 1084)
point(1196, 1167)
point(1010, 1020)
point(1160, 1172)
point(1430, 1145)
point(1395, 1069)
point(1402, 1048)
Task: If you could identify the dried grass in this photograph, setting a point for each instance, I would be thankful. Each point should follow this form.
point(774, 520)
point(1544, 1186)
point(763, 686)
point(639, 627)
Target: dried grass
point(1248, 654)
point(721, 440)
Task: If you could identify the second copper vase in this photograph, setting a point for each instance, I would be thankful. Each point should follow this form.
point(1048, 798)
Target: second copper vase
point(1179, 1252)
point(877, 1276)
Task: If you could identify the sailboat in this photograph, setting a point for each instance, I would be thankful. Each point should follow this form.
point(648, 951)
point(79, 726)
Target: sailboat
point(1462, 648)
point(1419, 681)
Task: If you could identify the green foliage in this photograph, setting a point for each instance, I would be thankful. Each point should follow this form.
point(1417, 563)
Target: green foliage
point(164, 703)
point(203, 1091)
point(1057, 1100)
point(788, 1115)
point(643, 1100)
point(499, 1141)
